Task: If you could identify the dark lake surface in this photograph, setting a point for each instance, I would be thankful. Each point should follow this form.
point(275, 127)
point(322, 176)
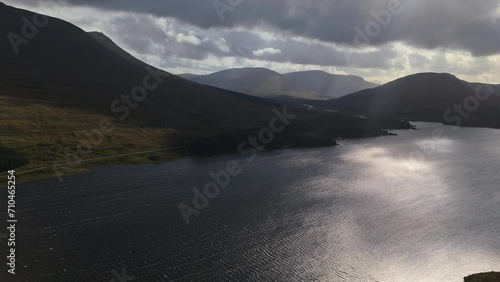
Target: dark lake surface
point(402, 208)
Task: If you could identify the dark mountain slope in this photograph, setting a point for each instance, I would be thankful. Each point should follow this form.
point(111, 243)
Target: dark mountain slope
point(65, 65)
point(425, 97)
point(107, 42)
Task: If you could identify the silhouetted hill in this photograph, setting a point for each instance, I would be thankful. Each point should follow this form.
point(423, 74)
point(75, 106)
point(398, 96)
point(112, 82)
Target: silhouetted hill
point(67, 66)
point(267, 83)
point(426, 97)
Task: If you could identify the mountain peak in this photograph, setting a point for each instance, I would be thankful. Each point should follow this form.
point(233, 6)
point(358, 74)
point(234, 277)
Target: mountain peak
point(443, 75)
point(430, 78)
point(252, 69)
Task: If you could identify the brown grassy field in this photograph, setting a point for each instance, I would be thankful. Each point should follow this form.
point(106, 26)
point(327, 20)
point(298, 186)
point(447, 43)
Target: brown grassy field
point(42, 132)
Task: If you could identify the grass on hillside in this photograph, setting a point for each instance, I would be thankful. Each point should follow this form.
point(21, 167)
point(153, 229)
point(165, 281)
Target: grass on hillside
point(36, 134)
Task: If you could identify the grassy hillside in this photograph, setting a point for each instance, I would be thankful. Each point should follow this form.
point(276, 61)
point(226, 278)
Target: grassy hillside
point(38, 134)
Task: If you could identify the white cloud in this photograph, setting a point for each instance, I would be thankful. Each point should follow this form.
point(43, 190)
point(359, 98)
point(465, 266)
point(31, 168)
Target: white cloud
point(221, 43)
point(267, 51)
point(189, 38)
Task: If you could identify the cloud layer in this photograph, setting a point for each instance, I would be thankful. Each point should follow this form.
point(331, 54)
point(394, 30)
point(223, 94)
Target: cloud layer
point(468, 25)
point(377, 38)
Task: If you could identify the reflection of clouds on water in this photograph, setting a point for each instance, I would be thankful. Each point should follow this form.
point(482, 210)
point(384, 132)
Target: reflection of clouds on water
point(395, 168)
point(383, 159)
point(423, 210)
point(385, 172)
point(400, 164)
point(432, 146)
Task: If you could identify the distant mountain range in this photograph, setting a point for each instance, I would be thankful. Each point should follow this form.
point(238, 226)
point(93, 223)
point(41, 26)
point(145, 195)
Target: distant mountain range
point(436, 97)
point(263, 82)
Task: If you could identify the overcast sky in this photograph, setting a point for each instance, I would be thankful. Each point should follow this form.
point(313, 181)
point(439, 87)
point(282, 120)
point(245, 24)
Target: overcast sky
point(378, 39)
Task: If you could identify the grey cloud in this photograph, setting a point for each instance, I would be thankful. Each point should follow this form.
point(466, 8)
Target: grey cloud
point(457, 24)
point(307, 32)
point(142, 34)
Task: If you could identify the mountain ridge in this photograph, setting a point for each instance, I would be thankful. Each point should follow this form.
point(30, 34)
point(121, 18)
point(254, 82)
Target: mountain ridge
point(263, 82)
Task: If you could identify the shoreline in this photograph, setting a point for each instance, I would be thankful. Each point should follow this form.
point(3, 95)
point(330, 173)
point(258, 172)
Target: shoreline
point(47, 172)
